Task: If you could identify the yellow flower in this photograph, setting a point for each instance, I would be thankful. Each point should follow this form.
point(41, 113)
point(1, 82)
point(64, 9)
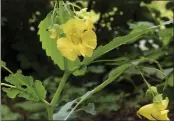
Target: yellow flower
point(54, 31)
point(162, 105)
point(155, 111)
point(89, 23)
point(80, 39)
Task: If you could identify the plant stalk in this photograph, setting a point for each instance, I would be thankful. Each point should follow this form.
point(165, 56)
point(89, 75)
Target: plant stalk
point(95, 90)
point(59, 89)
point(50, 112)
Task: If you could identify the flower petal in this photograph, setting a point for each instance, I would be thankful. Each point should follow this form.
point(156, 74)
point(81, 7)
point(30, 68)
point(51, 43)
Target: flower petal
point(79, 24)
point(68, 26)
point(73, 25)
point(147, 111)
point(163, 105)
point(162, 115)
point(85, 51)
point(89, 24)
point(67, 48)
point(89, 39)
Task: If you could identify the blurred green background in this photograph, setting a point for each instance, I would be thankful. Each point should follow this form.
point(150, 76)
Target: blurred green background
point(21, 49)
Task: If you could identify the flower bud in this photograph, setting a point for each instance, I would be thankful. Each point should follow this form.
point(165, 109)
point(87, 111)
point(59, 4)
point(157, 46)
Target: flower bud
point(54, 31)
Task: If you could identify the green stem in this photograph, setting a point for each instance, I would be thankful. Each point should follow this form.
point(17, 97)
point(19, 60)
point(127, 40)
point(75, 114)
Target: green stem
point(49, 109)
point(55, 99)
point(98, 88)
point(148, 85)
point(56, 96)
point(60, 11)
point(8, 85)
point(95, 90)
point(48, 106)
point(7, 69)
point(65, 64)
point(59, 89)
point(54, 10)
point(97, 61)
point(45, 102)
point(50, 112)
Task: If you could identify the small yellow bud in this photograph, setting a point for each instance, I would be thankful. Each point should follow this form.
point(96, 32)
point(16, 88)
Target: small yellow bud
point(54, 31)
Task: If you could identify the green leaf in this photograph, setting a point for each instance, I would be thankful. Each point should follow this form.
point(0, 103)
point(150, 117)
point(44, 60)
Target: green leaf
point(64, 111)
point(138, 24)
point(3, 63)
point(64, 13)
point(96, 69)
point(90, 108)
point(50, 46)
point(7, 114)
point(118, 71)
point(40, 90)
point(24, 86)
point(80, 71)
point(155, 54)
point(112, 76)
point(30, 106)
point(171, 80)
point(134, 35)
point(68, 110)
point(153, 71)
point(11, 92)
point(160, 8)
point(166, 35)
point(18, 79)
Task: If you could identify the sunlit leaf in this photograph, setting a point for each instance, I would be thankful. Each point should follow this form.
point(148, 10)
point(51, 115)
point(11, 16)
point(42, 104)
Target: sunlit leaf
point(134, 35)
point(166, 35)
point(11, 92)
point(50, 46)
point(40, 90)
point(24, 86)
point(3, 63)
point(161, 7)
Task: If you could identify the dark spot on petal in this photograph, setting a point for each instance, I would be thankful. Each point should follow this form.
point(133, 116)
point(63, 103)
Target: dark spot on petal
point(85, 30)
